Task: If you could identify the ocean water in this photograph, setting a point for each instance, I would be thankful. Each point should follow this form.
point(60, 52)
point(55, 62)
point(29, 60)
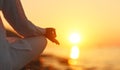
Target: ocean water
point(105, 58)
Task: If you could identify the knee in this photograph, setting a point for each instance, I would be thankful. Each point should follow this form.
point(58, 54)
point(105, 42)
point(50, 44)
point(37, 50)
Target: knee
point(37, 41)
point(42, 40)
point(38, 44)
point(41, 43)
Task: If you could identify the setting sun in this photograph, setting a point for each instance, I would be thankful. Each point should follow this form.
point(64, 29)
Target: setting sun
point(74, 38)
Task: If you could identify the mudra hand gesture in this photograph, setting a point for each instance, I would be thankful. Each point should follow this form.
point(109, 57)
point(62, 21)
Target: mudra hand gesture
point(51, 35)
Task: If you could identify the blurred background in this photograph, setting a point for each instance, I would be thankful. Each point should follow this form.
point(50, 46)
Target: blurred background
point(88, 31)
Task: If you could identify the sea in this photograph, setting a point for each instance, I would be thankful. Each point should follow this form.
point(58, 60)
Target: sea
point(99, 58)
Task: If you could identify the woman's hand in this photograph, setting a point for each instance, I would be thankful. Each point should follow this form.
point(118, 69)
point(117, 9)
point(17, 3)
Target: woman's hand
point(51, 35)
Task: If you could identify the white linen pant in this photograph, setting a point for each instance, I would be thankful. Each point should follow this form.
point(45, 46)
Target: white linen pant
point(18, 52)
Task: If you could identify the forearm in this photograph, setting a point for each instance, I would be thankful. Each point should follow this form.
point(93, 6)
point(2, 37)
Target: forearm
point(14, 14)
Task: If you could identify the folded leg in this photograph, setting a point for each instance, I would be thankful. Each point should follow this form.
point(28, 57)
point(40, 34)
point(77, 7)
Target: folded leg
point(22, 51)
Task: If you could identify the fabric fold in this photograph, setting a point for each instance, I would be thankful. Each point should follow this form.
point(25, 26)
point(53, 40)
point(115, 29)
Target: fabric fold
point(21, 45)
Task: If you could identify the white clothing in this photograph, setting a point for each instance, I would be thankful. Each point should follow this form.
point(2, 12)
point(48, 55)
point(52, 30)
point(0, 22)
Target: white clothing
point(19, 51)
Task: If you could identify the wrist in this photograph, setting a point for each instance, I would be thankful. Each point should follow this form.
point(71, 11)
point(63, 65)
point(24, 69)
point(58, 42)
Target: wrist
point(42, 30)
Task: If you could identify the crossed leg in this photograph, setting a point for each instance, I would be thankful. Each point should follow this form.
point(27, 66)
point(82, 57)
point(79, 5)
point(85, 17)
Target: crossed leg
point(22, 51)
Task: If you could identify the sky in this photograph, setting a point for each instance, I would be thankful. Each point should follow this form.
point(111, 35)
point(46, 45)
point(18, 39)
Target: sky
point(97, 21)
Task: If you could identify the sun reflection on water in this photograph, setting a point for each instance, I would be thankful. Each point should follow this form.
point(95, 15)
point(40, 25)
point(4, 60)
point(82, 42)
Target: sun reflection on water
point(74, 55)
point(74, 52)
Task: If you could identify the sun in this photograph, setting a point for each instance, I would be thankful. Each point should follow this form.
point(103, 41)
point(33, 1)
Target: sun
point(75, 38)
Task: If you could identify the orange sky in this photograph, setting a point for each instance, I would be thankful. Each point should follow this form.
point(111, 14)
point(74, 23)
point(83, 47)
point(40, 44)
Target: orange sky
point(98, 21)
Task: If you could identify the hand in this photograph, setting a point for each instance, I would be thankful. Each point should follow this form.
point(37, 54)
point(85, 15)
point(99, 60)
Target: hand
point(51, 35)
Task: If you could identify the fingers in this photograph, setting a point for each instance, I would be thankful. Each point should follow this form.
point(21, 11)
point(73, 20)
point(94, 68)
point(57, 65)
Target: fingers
point(51, 32)
point(51, 35)
point(54, 33)
point(56, 41)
